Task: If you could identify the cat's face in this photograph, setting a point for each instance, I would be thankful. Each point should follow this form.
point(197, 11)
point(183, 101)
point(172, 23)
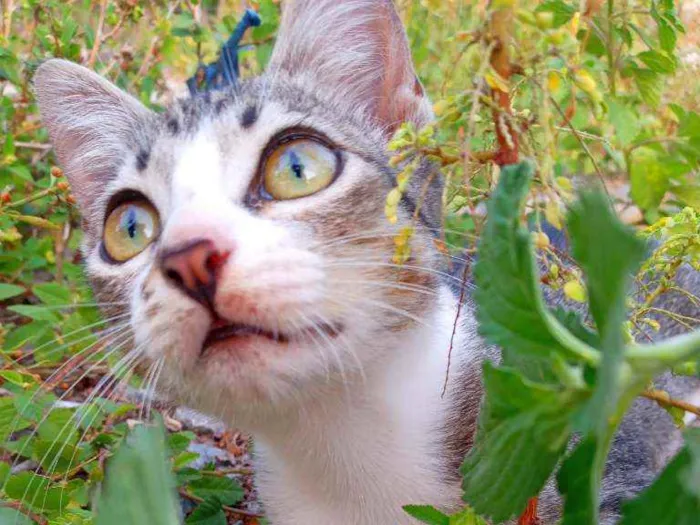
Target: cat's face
point(244, 233)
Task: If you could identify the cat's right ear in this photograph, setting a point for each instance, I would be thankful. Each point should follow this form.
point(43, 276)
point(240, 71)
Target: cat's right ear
point(92, 124)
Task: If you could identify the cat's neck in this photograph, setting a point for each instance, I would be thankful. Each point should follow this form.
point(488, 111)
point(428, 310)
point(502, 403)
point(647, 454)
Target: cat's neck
point(359, 456)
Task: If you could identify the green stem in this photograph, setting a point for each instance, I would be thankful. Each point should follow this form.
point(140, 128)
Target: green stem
point(667, 353)
point(586, 353)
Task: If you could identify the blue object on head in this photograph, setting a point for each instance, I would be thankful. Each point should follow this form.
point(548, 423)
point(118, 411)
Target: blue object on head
point(224, 72)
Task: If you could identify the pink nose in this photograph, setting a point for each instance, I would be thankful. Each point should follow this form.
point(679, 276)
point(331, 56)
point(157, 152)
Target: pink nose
point(194, 268)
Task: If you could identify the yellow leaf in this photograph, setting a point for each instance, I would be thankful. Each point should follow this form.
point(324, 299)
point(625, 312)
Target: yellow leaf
point(495, 81)
point(575, 291)
point(553, 214)
point(564, 183)
point(553, 82)
point(541, 240)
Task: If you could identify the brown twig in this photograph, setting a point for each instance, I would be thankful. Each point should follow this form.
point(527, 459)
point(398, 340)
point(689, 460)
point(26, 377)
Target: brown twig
point(98, 35)
point(664, 399)
point(501, 30)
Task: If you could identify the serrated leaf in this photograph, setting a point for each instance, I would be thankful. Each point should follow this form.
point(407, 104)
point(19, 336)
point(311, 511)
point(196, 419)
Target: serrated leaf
point(674, 498)
point(427, 514)
point(658, 62)
point(207, 513)
point(511, 311)
point(36, 492)
point(650, 84)
point(562, 11)
point(523, 431)
point(609, 254)
point(139, 486)
point(626, 123)
point(10, 290)
point(226, 490)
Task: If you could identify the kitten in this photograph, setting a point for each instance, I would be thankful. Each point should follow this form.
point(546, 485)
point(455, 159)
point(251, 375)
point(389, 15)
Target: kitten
point(244, 232)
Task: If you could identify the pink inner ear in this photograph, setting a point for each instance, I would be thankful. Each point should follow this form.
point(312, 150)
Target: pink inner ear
point(358, 53)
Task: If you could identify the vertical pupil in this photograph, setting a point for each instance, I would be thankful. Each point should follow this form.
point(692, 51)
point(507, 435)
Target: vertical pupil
point(296, 165)
point(131, 223)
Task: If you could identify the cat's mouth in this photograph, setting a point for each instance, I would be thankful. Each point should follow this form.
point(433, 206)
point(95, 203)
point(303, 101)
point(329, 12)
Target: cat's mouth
point(226, 331)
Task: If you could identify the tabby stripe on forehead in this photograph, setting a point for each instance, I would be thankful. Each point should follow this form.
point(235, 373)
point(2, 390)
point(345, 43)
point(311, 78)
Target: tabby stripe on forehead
point(249, 117)
point(142, 158)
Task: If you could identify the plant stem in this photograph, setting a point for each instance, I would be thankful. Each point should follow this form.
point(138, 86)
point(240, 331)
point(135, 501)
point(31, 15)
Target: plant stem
point(661, 355)
point(662, 398)
point(611, 48)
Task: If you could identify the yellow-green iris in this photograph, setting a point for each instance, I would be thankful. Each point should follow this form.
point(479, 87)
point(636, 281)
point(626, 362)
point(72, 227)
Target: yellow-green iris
point(129, 229)
point(299, 168)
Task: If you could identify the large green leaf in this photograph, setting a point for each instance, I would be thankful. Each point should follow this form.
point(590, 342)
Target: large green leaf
point(579, 486)
point(609, 253)
point(511, 310)
point(674, 498)
point(226, 490)
point(523, 431)
point(139, 485)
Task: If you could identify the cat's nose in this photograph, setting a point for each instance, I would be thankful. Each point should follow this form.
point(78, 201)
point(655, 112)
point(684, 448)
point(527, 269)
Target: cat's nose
point(194, 268)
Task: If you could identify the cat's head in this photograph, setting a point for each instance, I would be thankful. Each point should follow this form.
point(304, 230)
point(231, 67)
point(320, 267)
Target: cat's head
point(244, 231)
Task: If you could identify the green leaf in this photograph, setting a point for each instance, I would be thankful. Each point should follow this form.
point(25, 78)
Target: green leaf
point(467, 517)
point(648, 177)
point(609, 254)
point(562, 11)
point(12, 516)
point(578, 486)
point(38, 313)
point(53, 294)
point(25, 334)
point(511, 311)
point(674, 498)
point(427, 514)
point(626, 123)
point(207, 513)
point(689, 194)
point(139, 485)
point(35, 492)
point(10, 290)
point(523, 431)
point(650, 84)
point(226, 490)
point(658, 62)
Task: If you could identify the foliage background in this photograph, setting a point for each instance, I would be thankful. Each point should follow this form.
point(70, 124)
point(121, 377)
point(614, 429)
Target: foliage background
point(602, 90)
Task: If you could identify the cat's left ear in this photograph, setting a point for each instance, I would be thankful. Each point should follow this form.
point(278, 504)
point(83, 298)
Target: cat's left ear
point(93, 125)
point(355, 51)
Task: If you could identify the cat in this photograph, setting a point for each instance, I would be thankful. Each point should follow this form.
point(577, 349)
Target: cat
point(243, 232)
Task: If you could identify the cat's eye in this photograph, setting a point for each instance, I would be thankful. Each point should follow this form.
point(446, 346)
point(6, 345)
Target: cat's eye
point(299, 168)
point(129, 229)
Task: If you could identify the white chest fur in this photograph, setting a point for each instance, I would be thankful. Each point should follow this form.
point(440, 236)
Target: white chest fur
point(357, 459)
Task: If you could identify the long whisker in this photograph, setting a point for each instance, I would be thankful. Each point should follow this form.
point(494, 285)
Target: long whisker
point(117, 332)
point(121, 370)
point(20, 453)
point(66, 426)
point(69, 334)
